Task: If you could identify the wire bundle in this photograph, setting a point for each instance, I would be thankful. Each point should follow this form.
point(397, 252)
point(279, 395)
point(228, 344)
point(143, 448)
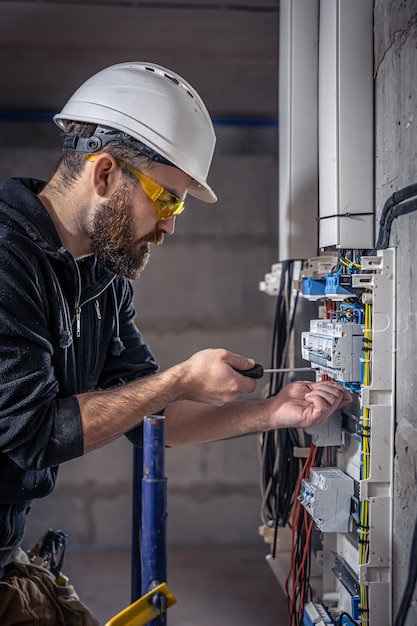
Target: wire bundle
point(297, 584)
point(279, 467)
point(363, 530)
point(348, 261)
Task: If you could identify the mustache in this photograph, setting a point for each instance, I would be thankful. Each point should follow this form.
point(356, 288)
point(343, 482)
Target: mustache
point(155, 237)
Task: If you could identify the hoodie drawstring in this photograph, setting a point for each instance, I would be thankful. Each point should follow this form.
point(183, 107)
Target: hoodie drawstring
point(118, 346)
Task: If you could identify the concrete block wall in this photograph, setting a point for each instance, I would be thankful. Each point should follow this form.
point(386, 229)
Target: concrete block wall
point(200, 290)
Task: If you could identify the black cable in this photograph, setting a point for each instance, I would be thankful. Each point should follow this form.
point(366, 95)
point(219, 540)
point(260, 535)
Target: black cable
point(411, 582)
point(280, 469)
point(390, 212)
point(344, 614)
point(396, 211)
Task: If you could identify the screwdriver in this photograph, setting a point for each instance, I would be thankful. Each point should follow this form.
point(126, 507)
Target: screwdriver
point(257, 371)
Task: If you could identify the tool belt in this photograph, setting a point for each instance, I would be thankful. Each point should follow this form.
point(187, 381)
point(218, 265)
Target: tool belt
point(33, 589)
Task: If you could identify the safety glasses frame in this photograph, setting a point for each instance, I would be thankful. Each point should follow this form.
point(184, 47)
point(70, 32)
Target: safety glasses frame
point(166, 204)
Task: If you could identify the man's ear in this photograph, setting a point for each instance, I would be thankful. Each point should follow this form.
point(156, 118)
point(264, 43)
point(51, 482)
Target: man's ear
point(105, 175)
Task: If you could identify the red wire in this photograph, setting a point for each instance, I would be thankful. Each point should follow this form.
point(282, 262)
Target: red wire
point(308, 524)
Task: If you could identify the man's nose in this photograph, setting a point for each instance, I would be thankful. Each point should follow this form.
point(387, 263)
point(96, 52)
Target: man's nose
point(167, 226)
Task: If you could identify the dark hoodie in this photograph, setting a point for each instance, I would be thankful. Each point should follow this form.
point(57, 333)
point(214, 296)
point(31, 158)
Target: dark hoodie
point(66, 327)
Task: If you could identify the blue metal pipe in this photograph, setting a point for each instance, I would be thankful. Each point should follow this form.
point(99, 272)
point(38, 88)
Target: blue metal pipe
point(136, 580)
point(154, 508)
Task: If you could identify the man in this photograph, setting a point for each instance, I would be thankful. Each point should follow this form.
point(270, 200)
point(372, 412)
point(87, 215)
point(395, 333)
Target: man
point(75, 373)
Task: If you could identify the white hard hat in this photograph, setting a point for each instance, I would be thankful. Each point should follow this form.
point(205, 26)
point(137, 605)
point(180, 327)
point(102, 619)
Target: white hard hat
point(154, 106)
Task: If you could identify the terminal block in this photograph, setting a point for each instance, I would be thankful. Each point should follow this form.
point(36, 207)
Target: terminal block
point(326, 496)
point(313, 288)
point(334, 348)
point(339, 286)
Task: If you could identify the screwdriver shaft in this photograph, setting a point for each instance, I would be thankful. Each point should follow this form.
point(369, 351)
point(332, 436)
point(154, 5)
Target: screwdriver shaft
point(288, 369)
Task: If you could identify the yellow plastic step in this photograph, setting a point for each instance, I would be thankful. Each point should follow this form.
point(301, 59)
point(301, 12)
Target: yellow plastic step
point(147, 608)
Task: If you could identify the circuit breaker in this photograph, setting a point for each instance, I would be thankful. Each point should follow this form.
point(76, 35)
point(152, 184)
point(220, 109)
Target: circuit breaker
point(334, 348)
point(327, 496)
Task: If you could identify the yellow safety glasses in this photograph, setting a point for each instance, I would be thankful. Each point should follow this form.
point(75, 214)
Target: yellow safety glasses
point(166, 203)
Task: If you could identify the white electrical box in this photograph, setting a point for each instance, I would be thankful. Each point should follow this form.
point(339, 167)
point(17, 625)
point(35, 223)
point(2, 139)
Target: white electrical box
point(349, 494)
point(298, 129)
point(346, 120)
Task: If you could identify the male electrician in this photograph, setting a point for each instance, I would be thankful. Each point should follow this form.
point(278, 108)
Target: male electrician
point(75, 373)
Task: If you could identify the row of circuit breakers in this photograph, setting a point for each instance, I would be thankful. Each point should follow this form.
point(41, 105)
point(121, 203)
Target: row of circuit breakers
point(335, 349)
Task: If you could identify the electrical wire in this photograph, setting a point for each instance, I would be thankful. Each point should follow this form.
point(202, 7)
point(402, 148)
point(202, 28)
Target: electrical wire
point(363, 529)
point(297, 584)
point(279, 467)
point(400, 203)
point(349, 617)
point(348, 260)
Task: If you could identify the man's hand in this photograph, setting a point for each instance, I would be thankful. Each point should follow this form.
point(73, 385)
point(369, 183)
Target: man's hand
point(304, 404)
point(298, 405)
point(209, 376)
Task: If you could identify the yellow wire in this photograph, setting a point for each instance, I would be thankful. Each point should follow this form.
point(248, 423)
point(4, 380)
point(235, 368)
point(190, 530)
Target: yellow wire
point(349, 263)
point(365, 457)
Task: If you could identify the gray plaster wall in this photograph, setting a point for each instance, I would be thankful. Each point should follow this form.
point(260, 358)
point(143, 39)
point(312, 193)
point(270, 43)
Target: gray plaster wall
point(396, 167)
point(200, 290)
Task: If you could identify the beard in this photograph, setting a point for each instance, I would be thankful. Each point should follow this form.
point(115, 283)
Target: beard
point(112, 236)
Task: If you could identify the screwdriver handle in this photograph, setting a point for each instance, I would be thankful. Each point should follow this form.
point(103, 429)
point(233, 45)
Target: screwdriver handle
point(257, 371)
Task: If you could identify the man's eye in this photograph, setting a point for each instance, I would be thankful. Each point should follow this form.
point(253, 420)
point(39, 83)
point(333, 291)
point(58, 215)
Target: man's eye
point(165, 200)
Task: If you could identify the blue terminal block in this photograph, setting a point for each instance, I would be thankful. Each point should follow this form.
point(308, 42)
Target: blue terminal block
point(356, 607)
point(334, 287)
point(313, 286)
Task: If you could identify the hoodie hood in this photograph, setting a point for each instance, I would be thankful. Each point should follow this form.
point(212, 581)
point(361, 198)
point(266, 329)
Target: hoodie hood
point(21, 203)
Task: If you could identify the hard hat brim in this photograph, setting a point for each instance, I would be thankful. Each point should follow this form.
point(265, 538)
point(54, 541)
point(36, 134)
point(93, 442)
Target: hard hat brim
point(202, 192)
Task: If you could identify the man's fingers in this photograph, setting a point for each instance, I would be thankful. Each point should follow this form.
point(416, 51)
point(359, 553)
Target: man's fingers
point(329, 393)
point(239, 362)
